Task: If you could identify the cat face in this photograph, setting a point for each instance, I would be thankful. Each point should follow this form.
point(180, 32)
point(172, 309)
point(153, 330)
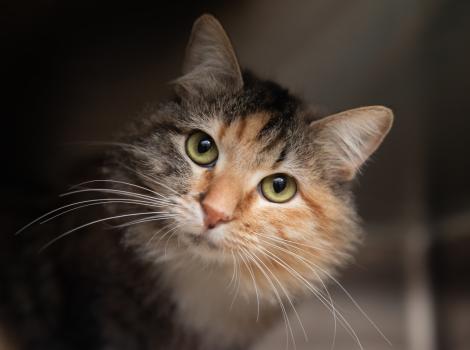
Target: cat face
point(255, 187)
point(244, 172)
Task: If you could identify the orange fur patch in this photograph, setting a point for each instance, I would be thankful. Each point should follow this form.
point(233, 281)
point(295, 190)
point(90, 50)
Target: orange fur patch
point(222, 130)
point(241, 128)
point(317, 209)
point(245, 205)
point(201, 185)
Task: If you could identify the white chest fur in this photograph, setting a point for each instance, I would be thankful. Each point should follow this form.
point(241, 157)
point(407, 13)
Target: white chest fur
point(208, 304)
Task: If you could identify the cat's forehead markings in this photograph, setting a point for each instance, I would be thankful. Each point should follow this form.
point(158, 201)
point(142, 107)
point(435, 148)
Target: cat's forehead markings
point(239, 135)
point(282, 155)
point(245, 129)
point(241, 127)
point(222, 130)
point(241, 145)
point(203, 182)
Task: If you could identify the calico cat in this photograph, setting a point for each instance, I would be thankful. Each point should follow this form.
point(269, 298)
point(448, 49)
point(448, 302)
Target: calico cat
point(214, 214)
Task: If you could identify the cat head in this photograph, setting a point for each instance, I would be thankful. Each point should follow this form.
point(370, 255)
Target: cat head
point(239, 170)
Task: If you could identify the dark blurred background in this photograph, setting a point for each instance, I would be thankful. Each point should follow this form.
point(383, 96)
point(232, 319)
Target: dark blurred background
point(74, 72)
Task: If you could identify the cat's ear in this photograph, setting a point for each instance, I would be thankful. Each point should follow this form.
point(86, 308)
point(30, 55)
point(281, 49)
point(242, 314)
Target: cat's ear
point(210, 63)
point(345, 140)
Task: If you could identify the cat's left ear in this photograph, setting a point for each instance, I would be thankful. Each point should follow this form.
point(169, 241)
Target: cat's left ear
point(210, 63)
point(347, 139)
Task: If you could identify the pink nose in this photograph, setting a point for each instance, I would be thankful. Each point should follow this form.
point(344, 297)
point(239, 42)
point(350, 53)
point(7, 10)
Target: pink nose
point(213, 216)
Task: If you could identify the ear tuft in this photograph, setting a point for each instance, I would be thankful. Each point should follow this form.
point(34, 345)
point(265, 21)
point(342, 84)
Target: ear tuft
point(210, 63)
point(347, 139)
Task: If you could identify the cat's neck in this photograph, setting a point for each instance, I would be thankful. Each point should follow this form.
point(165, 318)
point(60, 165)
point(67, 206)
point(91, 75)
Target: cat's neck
point(211, 302)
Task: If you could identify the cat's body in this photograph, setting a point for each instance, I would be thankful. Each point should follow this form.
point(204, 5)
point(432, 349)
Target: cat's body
point(233, 202)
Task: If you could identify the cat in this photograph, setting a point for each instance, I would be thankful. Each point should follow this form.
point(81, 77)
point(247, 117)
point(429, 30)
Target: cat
point(227, 205)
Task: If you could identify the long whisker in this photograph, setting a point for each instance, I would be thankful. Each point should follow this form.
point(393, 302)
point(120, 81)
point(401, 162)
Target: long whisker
point(130, 196)
point(284, 290)
point(237, 289)
point(294, 244)
point(356, 304)
point(233, 272)
point(105, 201)
point(58, 209)
point(255, 260)
point(121, 192)
point(52, 212)
point(302, 259)
point(176, 226)
point(154, 201)
point(118, 182)
point(141, 221)
point(89, 224)
point(160, 230)
point(328, 304)
point(256, 287)
point(173, 232)
point(151, 179)
point(102, 143)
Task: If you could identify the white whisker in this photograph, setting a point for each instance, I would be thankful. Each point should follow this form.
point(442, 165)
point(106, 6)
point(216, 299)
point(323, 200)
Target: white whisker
point(255, 260)
point(129, 196)
point(141, 221)
point(156, 233)
point(151, 179)
point(237, 283)
point(122, 192)
point(255, 286)
point(232, 280)
point(294, 244)
point(283, 289)
point(89, 224)
point(173, 232)
point(356, 304)
point(105, 201)
point(118, 182)
point(328, 304)
point(52, 212)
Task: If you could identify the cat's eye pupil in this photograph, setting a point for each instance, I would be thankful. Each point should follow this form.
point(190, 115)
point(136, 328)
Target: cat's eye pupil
point(278, 188)
point(201, 148)
point(279, 184)
point(204, 145)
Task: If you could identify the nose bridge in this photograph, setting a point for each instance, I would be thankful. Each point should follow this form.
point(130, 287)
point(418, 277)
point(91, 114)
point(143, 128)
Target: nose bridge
point(224, 194)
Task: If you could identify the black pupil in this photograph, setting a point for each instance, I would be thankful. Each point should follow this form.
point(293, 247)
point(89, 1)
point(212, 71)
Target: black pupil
point(279, 184)
point(204, 145)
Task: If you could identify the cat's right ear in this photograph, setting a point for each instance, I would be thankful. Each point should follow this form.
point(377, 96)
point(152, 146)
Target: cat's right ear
point(347, 139)
point(210, 63)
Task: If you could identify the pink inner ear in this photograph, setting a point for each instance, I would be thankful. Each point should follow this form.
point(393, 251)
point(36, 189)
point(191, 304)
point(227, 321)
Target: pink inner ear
point(347, 139)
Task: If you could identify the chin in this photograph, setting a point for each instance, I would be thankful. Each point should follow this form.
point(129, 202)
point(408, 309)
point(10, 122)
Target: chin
point(209, 245)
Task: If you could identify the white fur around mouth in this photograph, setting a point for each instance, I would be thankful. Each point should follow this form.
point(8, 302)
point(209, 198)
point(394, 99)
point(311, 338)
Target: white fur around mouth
point(205, 239)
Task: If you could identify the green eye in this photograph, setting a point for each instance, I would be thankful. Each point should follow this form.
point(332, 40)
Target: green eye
point(278, 188)
point(201, 148)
